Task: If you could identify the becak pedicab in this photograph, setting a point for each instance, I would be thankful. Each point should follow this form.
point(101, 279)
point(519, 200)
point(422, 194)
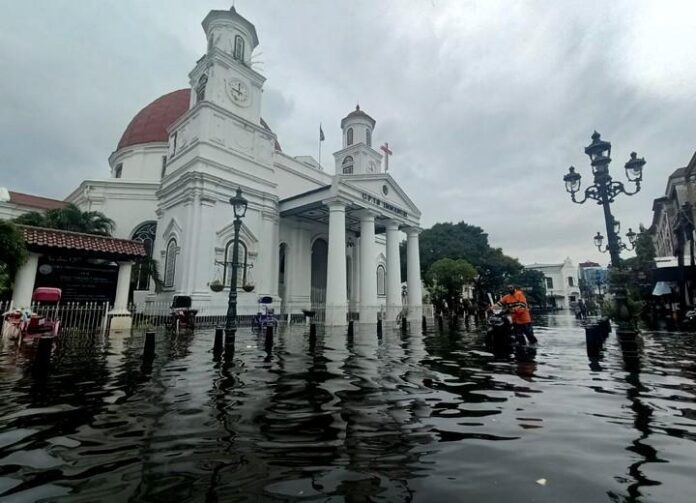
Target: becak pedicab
point(181, 314)
point(24, 324)
point(44, 324)
point(265, 316)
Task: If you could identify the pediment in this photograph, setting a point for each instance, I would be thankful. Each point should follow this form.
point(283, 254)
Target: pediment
point(382, 188)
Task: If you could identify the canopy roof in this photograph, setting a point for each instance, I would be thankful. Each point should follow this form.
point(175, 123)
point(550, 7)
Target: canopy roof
point(41, 239)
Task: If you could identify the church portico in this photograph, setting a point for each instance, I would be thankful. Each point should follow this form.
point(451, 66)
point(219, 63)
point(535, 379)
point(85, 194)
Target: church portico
point(359, 224)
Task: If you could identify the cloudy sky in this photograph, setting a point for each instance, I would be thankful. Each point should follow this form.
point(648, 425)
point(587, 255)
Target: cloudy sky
point(485, 104)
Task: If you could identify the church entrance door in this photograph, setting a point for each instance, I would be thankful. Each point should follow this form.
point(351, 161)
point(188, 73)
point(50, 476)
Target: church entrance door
point(320, 253)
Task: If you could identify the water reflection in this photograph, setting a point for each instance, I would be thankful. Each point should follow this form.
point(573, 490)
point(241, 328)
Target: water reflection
point(398, 417)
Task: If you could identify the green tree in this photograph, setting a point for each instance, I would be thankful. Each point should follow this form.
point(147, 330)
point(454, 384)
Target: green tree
point(637, 272)
point(13, 253)
point(448, 277)
point(534, 286)
point(70, 218)
point(468, 242)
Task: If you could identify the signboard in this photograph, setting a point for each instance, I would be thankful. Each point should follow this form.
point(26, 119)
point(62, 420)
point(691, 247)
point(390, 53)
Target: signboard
point(80, 279)
point(384, 204)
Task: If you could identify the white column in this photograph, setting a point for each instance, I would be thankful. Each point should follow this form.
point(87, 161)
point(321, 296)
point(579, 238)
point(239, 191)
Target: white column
point(415, 289)
point(393, 271)
point(120, 318)
point(24, 281)
point(336, 299)
point(122, 287)
point(356, 273)
point(265, 271)
point(368, 270)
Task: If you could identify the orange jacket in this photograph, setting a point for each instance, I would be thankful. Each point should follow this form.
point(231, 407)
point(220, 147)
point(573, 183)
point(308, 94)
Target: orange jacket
point(517, 304)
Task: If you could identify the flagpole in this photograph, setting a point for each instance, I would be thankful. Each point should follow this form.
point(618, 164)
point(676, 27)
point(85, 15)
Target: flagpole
point(321, 138)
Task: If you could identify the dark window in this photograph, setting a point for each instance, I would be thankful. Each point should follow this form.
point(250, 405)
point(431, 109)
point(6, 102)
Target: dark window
point(164, 166)
point(368, 137)
point(118, 170)
point(238, 48)
point(174, 143)
point(347, 165)
point(241, 264)
point(381, 280)
point(200, 88)
point(549, 283)
point(145, 233)
point(570, 281)
point(349, 136)
point(170, 263)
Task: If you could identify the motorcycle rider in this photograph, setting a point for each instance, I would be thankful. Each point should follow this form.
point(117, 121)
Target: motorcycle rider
point(516, 303)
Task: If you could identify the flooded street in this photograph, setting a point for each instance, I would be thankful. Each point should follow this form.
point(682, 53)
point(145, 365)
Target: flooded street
point(404, 417)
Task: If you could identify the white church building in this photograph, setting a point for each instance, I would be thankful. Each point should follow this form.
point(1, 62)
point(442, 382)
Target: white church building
point(310, 239)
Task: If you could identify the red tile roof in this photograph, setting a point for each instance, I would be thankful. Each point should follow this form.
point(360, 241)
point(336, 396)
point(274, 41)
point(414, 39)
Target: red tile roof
point(43, 238)
point(38, 202)
point(151, 123)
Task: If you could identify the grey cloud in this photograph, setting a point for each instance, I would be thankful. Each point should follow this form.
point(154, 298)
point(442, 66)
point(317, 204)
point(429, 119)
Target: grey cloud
point(485, 104)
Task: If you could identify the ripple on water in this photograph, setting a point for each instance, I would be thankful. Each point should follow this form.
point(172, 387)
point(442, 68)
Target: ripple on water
point(431, 416)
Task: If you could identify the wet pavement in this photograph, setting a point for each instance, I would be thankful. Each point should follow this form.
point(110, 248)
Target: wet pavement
point(405, 417)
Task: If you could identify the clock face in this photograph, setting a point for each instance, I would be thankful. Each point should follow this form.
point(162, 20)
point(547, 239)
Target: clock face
point(238, 92)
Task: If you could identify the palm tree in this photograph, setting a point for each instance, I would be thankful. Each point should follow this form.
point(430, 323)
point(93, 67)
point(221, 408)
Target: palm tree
point(70, 218)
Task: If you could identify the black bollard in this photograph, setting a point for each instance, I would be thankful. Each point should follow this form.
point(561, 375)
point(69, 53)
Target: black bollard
point(425, 323)
point(269, 338)
point(350, 328)
point(217, 345)
point(593, 340)
point(404, 324)
point(42, 358)
point(149, 349)
point(312, 339)
point(379, 328)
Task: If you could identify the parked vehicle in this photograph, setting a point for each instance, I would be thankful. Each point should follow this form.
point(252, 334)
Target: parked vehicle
point(265, 316)
point(182, 316)
point(23, 324)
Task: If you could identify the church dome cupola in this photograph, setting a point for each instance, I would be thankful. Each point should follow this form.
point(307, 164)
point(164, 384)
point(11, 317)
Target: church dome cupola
point(357, 127)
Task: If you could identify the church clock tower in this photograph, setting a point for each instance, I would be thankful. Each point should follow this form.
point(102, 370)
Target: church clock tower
point(224, 75)
point(357, 157)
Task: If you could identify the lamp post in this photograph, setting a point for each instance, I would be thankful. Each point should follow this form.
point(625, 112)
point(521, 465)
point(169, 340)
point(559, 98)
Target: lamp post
point(239, 206)
point(604, 190)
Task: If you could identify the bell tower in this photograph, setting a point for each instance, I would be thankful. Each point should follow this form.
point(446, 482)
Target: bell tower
point(224, 75)
point(357, 157)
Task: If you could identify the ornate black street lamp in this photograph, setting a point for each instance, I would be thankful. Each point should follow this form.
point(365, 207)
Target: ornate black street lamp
point(239, 206)
point(604, 190)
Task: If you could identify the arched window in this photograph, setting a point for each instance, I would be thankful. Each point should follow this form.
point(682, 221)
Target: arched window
point(282, 252)
point(241, 264)
point(238, 48)
point(349, 136)
point(368, 137)
point(200, 88)
point(145, 233)
point(381, 280)
point(170, 263)
point(347, 165)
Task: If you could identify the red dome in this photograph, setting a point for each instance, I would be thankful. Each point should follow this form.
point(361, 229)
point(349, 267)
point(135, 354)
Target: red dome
point(151, 123)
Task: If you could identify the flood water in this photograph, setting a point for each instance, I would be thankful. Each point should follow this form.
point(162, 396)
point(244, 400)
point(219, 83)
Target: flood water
point(404, 417)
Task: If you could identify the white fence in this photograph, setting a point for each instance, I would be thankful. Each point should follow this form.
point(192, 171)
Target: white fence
point(94, 316)
point(77, 316)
